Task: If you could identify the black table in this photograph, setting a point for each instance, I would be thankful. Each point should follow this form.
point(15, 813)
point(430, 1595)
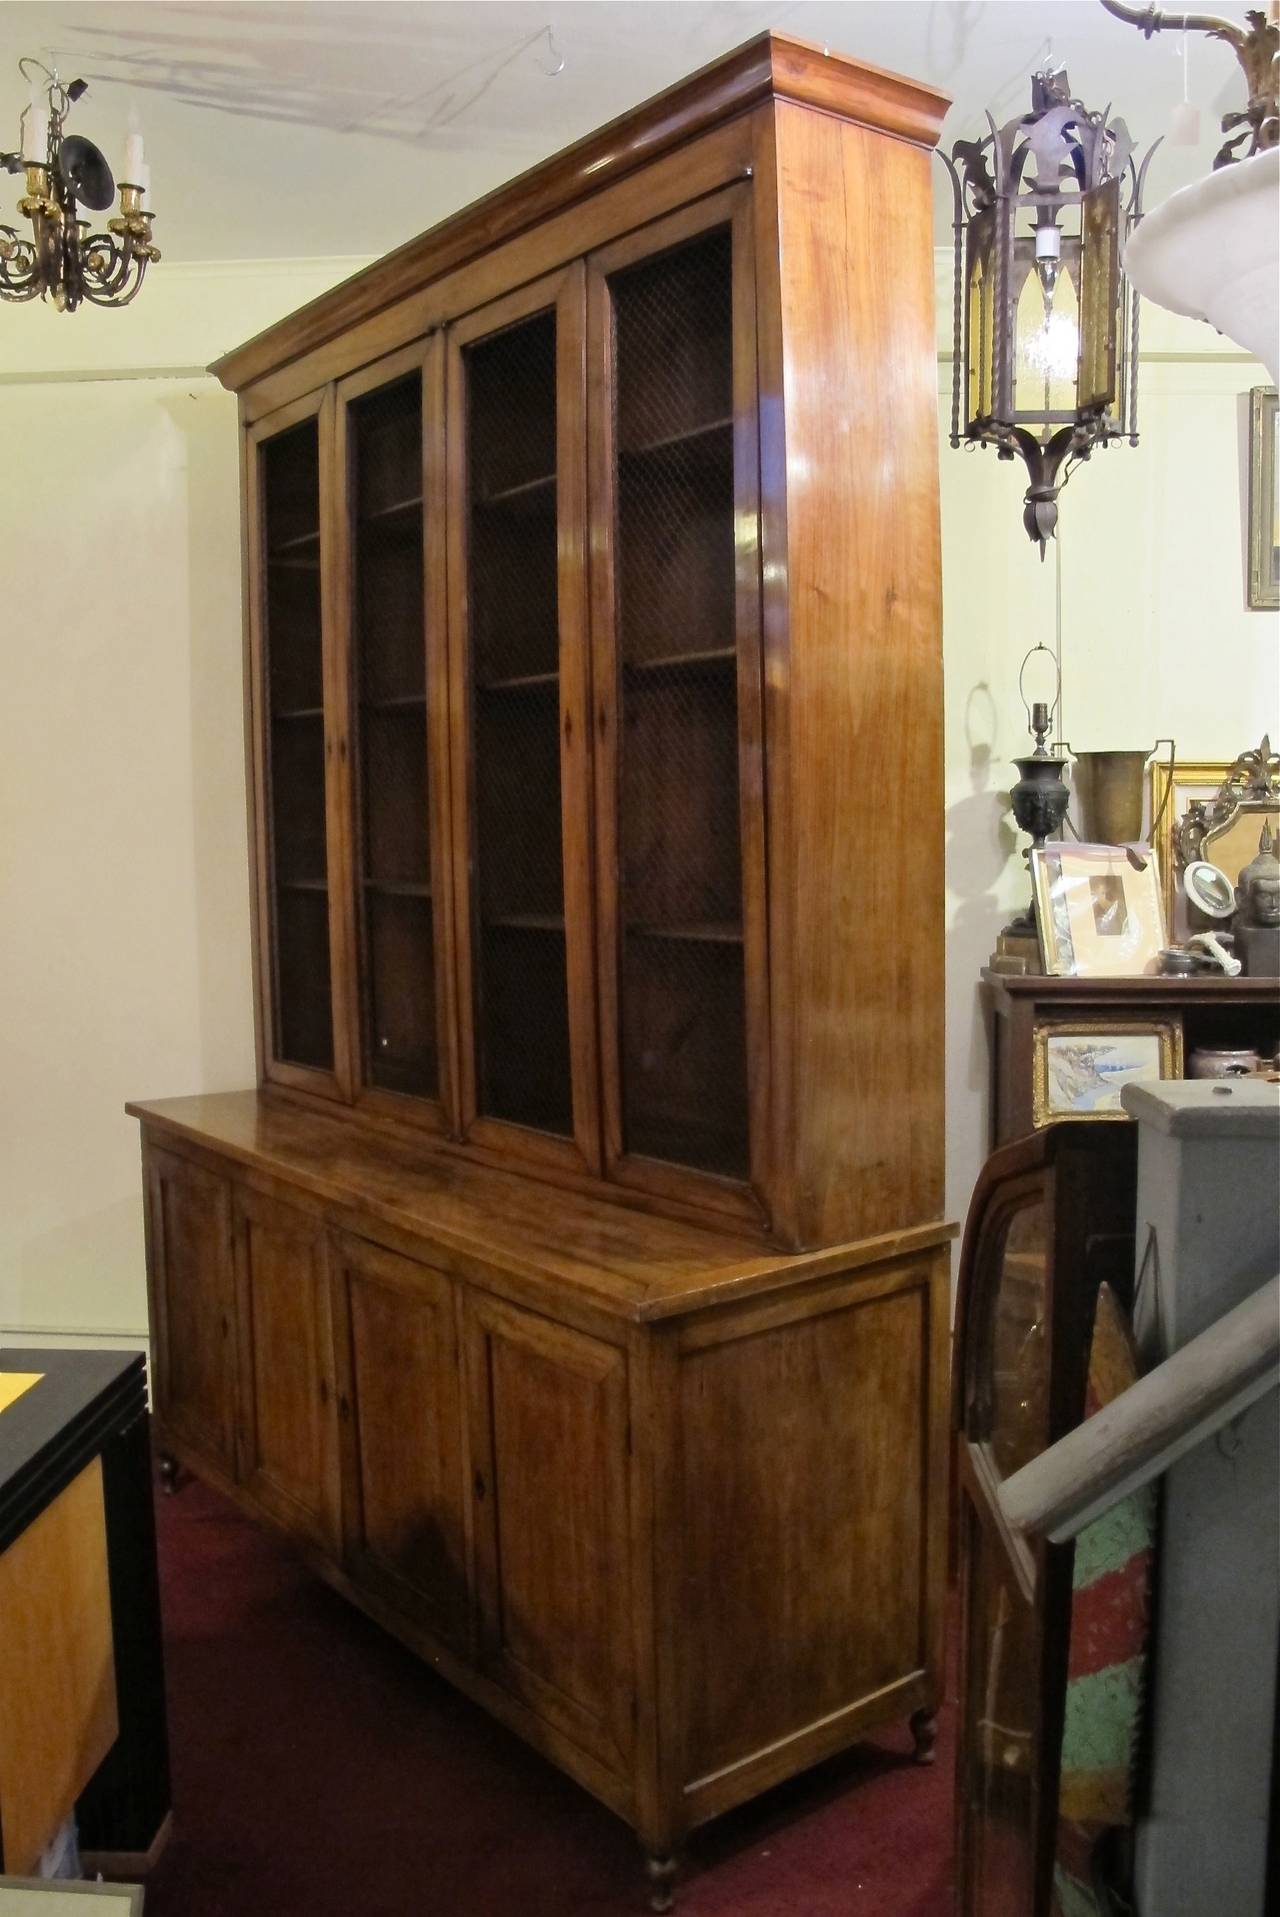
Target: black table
point(87, 1405)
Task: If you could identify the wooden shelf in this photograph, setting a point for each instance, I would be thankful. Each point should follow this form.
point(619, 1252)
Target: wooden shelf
point(520, 682)
point(398, 702)
point(695, 932)
point(296, 712)
point(684, 661)
point(303, 885)
point(398, 888)
point(527, 492)
point(397, 509)
point(300, 543)
point(689, 436)
point(525, 922)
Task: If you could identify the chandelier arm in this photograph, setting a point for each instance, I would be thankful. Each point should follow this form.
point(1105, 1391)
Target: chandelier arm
point(120, 292)
point(1155, 20)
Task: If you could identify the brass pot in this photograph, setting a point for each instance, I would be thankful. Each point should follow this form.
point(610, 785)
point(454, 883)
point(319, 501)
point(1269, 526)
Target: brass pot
point(1109, 788)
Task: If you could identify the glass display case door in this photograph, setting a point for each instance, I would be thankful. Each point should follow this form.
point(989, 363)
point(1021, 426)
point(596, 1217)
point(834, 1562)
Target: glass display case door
point(391, 644)
point(300, 927)
point(676, 665)
point(520, 769)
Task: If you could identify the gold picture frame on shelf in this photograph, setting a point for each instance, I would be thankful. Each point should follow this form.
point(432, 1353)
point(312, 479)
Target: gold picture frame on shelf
point(1264, 500)
point(1080, 1065)
point(1191, 788)
point(1099, 913)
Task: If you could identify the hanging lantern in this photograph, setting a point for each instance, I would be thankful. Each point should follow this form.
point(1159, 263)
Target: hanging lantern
point(1046, 331)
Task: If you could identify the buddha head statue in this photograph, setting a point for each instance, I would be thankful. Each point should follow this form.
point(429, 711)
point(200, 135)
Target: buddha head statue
point(1258, 887)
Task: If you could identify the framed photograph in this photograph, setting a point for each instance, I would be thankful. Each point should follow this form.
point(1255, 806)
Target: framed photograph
point(1227, 840)
point(1098, 910)
point(1264, 501)
point(1079, 1067)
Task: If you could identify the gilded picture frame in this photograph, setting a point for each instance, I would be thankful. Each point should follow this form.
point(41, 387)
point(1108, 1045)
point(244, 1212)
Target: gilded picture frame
point(1264, 500)
point(1200, 781)
point(1079, 1065)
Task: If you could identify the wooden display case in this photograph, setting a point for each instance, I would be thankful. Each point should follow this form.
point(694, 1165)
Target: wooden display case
point(593, 591)
point(1182, 1012)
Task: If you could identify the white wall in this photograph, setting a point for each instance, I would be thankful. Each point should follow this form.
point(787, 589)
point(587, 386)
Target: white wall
point(1157, 639)
point(124, 925)
point(123, 870)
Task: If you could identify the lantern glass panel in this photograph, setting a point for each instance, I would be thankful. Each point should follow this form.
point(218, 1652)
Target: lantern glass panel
point(981, 315)
point(1099, 294)
point(1047, 338)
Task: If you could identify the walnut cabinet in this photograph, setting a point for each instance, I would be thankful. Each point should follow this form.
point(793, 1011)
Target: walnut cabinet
point(592, 593)
point(669, 1504)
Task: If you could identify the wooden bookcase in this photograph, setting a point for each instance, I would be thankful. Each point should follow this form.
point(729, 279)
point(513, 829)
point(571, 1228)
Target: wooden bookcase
point(593, 618)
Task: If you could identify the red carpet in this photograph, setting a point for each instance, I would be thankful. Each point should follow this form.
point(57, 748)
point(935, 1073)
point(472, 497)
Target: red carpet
point(321, 1771)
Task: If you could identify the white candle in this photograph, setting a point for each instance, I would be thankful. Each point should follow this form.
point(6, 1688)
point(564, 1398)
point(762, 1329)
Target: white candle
point(35, 144)
point(133, 160)
point(144, 181)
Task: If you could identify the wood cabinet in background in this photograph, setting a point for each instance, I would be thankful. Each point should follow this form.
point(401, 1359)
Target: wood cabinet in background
point(588, 1313)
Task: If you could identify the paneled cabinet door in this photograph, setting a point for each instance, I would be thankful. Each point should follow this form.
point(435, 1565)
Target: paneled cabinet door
point(193, 1305)
point(548, 1429)
point(676, 678)
point(520, 766)
point(400, 1412)
point(288, 1423)
point(390, 637)
point(297, 743)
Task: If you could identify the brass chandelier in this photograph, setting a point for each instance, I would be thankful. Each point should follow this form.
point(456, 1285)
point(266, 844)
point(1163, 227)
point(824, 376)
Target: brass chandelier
point(62, 259)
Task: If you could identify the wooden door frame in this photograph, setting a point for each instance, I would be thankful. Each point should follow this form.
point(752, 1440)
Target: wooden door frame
point(425, 356)
point(564, 293)
point(732, 207)
point(335, 1084)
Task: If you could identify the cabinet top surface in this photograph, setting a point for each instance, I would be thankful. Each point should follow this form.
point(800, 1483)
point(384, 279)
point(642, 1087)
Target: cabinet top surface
point(1152, 991)
point(624, 1262)
point(772, 66)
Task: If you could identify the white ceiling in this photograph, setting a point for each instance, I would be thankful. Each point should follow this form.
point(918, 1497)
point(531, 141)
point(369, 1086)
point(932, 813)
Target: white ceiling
point(295, 128)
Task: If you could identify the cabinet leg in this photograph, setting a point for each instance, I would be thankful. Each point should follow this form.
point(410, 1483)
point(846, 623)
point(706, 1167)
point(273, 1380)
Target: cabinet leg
point(170, 1471)
point(661, 1873)
point(924, 1731)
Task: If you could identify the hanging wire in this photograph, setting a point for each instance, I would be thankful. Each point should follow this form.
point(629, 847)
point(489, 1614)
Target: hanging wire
point(553, 53)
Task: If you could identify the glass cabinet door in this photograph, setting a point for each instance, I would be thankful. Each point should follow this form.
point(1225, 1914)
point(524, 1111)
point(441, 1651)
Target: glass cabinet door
point(676, 653)
point(396, 685)
point(517, 600)
point(294, 894)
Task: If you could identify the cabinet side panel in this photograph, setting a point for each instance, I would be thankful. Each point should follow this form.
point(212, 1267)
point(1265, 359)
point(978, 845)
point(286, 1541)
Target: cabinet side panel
point(804, 1514)
point(856, 793)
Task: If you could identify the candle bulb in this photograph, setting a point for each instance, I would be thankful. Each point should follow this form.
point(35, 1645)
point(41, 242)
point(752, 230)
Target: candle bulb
point(35, 143)
point(144, 181)
point(134, 163)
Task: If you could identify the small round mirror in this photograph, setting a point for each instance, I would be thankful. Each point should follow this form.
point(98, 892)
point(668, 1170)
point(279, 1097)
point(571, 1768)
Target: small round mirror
point(1209, 889)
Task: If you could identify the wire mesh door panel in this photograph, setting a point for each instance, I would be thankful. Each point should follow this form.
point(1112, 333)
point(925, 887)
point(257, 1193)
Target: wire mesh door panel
point(680, 964)
point(292, 745)
point(394, 905)
point(519, 972)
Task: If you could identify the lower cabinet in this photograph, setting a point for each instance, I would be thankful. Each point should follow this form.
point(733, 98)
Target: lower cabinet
point(191, 1283)
point(400, 1419)
point(686, 1556)
point(549, 1443)
point(288, 1455)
